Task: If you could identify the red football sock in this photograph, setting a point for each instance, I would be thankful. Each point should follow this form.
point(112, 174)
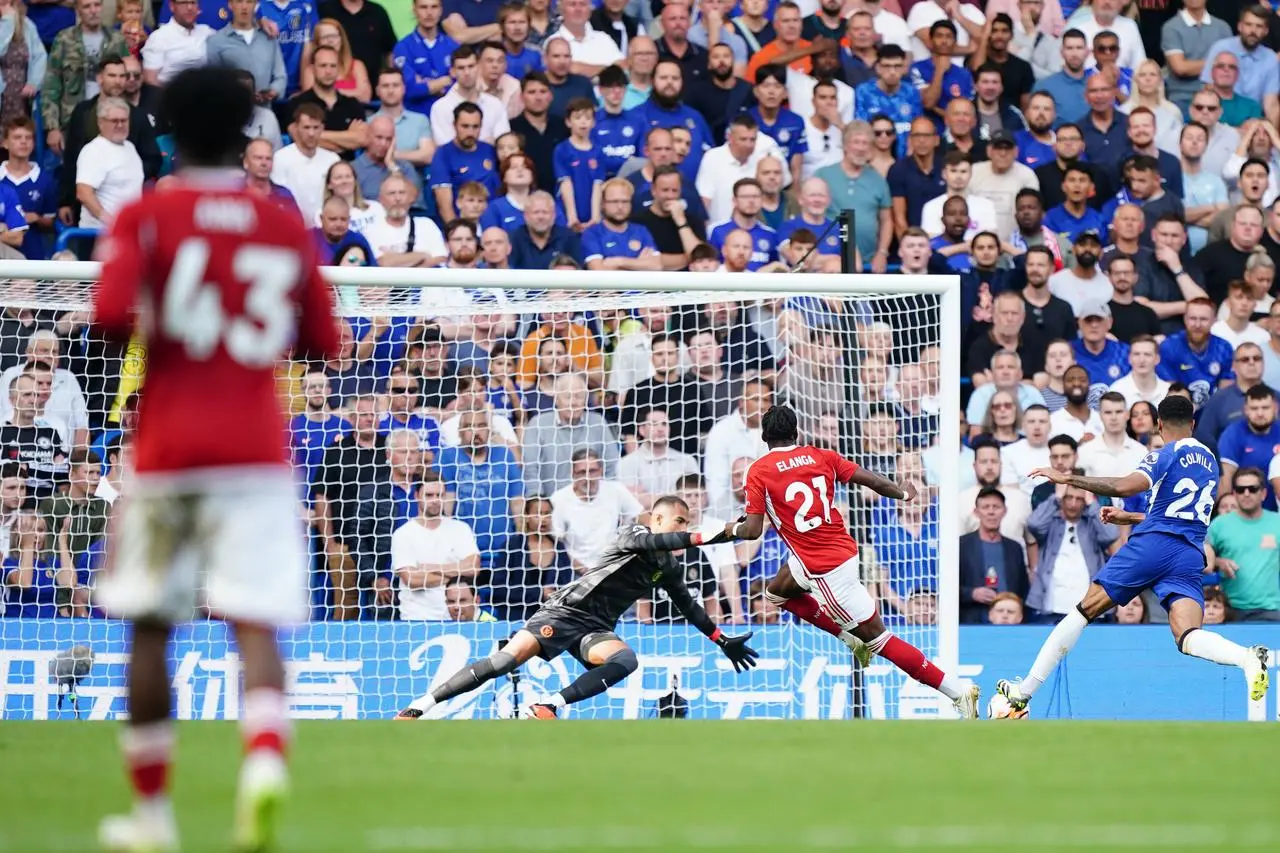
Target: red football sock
point(806, 607)
point(148, 751)
point(912, 661)
point(265, 725)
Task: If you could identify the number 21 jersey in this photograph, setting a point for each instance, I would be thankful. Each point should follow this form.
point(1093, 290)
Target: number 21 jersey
point(1184, 478)
point(220, 285)
point(795, 487)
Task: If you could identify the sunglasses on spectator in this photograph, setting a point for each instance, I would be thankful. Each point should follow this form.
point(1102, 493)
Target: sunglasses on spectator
point(1002, 405)
point(1106, 48)
point(1210, 107)
point(1247, 490)
point(1248, 359)
point(1224, 66)
point(882, 132)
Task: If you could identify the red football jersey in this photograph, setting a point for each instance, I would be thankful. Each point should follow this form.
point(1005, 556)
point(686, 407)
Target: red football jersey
point(219, 285)
point(795, 487)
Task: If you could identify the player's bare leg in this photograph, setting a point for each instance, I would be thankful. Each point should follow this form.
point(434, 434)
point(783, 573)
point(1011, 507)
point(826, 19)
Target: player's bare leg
point(1186, 620)
point(913, 662)
point(516, 652)
point(265, 728)
point(147, 743)
point(785, 591)
point(611, 661)
point(1061, 640)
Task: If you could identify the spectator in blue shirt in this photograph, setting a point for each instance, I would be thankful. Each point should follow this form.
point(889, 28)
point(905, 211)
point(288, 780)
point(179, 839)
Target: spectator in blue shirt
point(747, 199)
point(1251, 442)
point(952, 243)
point(464, 159)
point(815, 198)
point(34, 188)
point(616, 243)
point(243, 44)
point(889, 95)
point(1035, 143)
point(1074, 215)
point(513, 22)
point(291, 24)
point(785, 127)
point(540, 240)
point(377, 161)
point(316, 426)
point(484, 480)
point(665, 109)
point(1067, 86)
point(618, 134)
point(565, 85)
point(939, 89)
point(334, 237)
point(423, 58)
point(31, 575)
point(1105, 358)
point(12, 217)
point(507, 210)
point(1259, 73)
point(579, 167)
point(1198, 359)
point(413, 130)
point(403, 396)
point(1105, 129)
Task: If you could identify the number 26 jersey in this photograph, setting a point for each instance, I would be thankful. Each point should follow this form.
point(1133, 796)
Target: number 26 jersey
point(1184, 484)
point(220, 286)
point(795, 487)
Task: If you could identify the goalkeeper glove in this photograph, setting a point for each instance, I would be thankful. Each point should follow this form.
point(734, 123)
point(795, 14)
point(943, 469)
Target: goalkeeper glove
point(736, 649)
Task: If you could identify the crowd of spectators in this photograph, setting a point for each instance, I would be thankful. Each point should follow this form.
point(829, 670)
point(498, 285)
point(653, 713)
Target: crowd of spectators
point(1105, 180)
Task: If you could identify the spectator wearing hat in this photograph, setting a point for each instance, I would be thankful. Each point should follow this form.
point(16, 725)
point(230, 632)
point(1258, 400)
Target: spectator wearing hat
point(1105, 358)
point(1084, 284)
point(1001, 178)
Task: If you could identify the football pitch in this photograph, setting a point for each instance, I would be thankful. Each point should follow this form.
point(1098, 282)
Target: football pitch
point(671, 785)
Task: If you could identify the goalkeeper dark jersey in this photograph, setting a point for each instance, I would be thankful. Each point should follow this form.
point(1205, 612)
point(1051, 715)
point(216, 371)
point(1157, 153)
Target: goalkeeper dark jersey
point(633, 566)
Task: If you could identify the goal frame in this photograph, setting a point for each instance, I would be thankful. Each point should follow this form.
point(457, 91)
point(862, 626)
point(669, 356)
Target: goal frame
point(946, 287)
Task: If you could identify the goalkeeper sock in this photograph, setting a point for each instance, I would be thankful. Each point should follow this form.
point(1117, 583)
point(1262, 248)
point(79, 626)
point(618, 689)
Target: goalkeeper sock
point(1059, 644)
point(806, 607)
point(595, 681)
point(467, 679)
point(148, 751)
point(1206, 645)
point(912, 661)
point(265, 725)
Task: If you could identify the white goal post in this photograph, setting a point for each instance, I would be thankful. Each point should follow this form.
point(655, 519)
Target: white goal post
point(783, 312)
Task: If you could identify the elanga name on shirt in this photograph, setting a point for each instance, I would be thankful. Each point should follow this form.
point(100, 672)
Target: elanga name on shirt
point(796, 462)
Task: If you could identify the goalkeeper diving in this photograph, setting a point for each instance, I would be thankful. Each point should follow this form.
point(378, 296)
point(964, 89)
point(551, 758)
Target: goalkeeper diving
point(580, 617)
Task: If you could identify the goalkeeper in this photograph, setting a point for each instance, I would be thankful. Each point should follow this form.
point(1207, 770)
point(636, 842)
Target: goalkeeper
point(580, 617)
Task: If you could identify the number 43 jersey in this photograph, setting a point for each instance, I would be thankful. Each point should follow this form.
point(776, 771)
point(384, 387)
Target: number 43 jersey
point(1184, 478)
point(795, 487)
point(219, 285)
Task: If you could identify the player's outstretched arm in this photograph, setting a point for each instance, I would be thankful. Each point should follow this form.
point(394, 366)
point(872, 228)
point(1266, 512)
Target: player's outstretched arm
point(640, 540)
point(1109, 487)
point(882, 485)
point(734, 648)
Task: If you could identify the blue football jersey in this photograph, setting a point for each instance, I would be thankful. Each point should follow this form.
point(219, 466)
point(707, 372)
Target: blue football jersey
point(1184, 478)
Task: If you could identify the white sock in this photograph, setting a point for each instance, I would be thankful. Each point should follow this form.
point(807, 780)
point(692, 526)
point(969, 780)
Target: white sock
point(557, 701)
point(1214, 647)
point(951, 688)
point(1059, 644)
point(423, 703)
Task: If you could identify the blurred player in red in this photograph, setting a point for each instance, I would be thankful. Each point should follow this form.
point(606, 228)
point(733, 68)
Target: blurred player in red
point(220, 285)
point(795, 485)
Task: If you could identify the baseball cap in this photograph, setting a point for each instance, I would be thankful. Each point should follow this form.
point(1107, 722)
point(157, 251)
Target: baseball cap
point(1002, 137)
point(1087, 234)
point(1094, 308)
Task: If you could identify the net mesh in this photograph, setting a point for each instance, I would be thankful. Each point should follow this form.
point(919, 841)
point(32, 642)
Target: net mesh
point(546, 419)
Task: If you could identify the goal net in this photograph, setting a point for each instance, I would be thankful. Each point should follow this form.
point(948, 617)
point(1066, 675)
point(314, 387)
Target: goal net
point(497, 428)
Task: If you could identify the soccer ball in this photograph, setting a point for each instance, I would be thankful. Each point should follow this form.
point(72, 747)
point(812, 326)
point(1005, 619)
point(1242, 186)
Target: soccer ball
point(1000, 709)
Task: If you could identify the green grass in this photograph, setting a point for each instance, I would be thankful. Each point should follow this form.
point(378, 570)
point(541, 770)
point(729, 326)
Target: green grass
point(672, 785)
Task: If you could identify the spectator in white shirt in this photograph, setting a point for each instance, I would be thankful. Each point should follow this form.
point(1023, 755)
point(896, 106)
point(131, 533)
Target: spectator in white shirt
point(65, 401)
point(400, 239)
point(1076, 419)
point(738, 158)
point(1032, 451)
point(1236, 328)
point(1113, 453)
point(653, 468)
point(430, 552)
point(1083, 283)
point(109, 171)
point(302, 167)
point(733, 436)
point(175, 46)
point(591, 49)
point(1142, 384)
point(824, 129)
point(988, 471)
point(464, 65)
point(827, 71)
point(586, 514)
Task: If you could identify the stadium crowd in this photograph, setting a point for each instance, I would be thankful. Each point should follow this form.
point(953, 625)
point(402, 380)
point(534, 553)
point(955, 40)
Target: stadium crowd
point(1106, 181)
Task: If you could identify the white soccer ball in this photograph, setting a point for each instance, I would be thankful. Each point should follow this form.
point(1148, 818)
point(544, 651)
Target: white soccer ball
point(1000, 709)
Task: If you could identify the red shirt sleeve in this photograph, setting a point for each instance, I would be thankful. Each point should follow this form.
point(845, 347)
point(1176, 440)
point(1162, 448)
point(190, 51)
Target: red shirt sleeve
point(115, 301)
point(844, 468)
point(317, 325)
point(755, 489)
